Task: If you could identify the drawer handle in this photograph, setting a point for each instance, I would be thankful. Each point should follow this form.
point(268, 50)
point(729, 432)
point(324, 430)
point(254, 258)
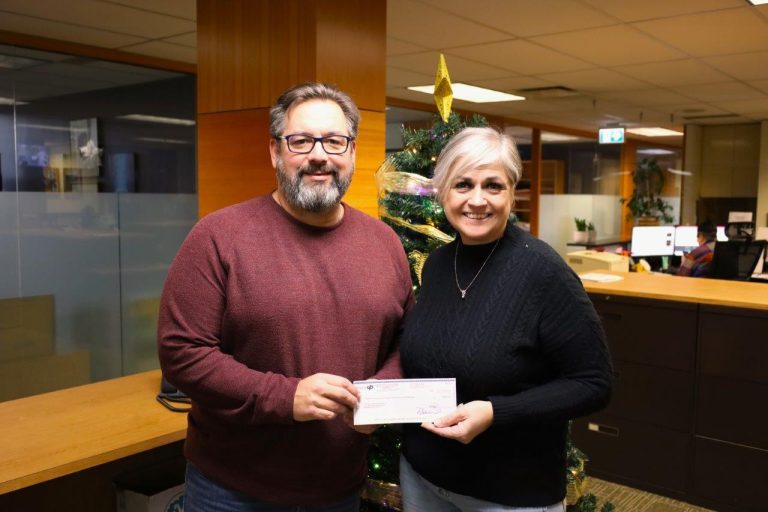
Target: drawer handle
point(603, 429)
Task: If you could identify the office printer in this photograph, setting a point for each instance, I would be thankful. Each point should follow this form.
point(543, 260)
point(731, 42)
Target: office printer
point(592, 261)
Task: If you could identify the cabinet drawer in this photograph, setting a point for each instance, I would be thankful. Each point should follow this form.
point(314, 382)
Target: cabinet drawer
point(659, 333)
point(732, 410)
point(653, 395)
point(734, 343)
point(732, 475)
point(650, 455)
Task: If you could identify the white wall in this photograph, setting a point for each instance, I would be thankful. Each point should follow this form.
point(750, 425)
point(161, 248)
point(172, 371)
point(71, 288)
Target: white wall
point(557, 211)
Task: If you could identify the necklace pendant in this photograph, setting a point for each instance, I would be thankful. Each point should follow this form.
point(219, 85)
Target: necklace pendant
point(463, 294)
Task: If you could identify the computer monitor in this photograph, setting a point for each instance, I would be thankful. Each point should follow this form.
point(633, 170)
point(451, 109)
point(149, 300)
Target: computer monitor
point(721, 236)
point(686, 239)
point(653, 241)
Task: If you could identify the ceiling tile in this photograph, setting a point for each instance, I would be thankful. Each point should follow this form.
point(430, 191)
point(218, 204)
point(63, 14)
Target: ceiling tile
point(744, 66)
point(64, 31)
point(513, 83)
point(460, 70)
point(185, 9)
point(397, 47)
point(430, 27)
point(759, 84)
point(714, 33)
point(404, 78)
point(521, 57)
point(524, 18)
point(556, 105)
point(164, 51)
point(189, 39)
point(652, 9)
point(746, 107)
point(726, 91)
point(672, 73)
point(104, 16)
point(610, 46)
point(647, 97)
point(594, 80)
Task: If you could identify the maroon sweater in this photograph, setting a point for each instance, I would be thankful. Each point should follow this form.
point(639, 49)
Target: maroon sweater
point(255, 301)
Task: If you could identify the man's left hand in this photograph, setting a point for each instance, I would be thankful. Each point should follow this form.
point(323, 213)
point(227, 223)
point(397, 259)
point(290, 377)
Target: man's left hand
point(349, 419)
point(465, 423)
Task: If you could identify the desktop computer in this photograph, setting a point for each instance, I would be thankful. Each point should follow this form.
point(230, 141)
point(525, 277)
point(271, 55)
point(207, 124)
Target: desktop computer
point(653, 241)
point(686, 239)
point(654, 244)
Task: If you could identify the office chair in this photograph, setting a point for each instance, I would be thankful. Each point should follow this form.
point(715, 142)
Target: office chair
point(736, 259)
point(740, 230)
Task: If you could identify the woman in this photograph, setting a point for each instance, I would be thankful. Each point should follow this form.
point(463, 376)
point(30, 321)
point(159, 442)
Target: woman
point(697, 263)
point(501, 312)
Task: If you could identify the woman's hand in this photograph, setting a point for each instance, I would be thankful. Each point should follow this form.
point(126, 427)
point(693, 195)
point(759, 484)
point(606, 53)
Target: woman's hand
point(465, 423)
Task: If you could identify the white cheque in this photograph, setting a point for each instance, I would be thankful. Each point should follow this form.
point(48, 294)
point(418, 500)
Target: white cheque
point(404, 400)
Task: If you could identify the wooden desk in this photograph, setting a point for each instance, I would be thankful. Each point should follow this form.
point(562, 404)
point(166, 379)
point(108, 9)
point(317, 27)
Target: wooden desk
point(48, 436)
point(715, 292)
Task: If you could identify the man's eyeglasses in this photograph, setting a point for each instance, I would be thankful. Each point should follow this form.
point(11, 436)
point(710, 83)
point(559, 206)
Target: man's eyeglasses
point(303, 144)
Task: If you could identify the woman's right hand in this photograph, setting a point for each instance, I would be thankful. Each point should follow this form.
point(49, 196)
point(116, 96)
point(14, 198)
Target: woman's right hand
point(465, 423)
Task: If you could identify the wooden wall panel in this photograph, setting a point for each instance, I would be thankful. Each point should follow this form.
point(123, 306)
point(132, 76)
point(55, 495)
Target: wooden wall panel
point(249, 51)
point(233, 158)
point(362, 194)
point(351, 49)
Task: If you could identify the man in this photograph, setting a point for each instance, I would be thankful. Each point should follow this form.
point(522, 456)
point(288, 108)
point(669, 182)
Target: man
point(698, 262)
point(270, 309)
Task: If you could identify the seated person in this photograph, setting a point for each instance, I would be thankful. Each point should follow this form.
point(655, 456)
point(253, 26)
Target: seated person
point(697, 262)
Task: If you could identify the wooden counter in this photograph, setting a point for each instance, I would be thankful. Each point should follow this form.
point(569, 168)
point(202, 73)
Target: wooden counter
point(689, 368)
point(55, 434)
point(716, 292)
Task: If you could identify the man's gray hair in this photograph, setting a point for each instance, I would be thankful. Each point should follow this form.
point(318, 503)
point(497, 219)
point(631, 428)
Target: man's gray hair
point(312, 91)
point(472, 148)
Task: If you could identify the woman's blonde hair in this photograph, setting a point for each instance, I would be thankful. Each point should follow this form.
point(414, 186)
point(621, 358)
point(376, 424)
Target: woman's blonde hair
point(472, 148)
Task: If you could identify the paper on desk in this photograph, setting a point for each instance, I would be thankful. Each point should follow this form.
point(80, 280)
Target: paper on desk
point(600, 278)
point(404, 400)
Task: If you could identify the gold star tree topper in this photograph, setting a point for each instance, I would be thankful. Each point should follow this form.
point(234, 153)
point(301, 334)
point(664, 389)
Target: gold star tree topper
point(443, 91)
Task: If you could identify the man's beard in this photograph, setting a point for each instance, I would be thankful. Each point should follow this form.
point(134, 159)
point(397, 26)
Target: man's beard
point(313, 197)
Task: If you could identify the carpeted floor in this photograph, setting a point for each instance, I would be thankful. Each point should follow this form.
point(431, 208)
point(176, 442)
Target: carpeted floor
point(627, 499)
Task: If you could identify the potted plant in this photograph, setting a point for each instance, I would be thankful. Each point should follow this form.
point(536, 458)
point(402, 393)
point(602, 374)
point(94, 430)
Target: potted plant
point(645, 204)
point(585, 231)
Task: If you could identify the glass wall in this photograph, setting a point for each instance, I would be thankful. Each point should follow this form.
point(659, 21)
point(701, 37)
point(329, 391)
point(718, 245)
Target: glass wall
point(97, 191)
point(670, 160)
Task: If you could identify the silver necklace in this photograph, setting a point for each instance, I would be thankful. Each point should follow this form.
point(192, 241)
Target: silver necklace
point(463, 291)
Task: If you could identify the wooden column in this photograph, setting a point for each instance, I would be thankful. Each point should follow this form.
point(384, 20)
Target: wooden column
point(628, 162)
point(535, 179)
point(250, 51)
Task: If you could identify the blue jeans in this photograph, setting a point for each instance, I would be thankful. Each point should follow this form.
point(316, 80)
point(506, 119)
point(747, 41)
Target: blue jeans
point(203, 495)
point(420, 495)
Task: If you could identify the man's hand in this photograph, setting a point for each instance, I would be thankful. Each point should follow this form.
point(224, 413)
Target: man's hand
point(465, 423)
point(323, 396)
point(349, 419)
